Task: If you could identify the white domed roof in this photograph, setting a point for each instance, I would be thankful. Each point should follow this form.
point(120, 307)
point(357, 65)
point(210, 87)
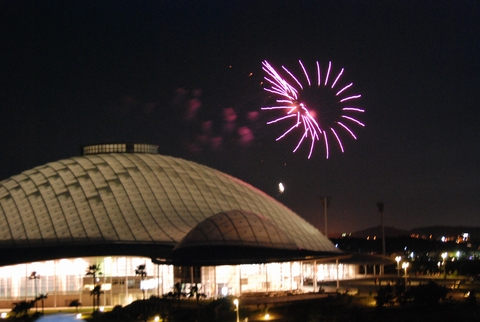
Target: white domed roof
point(133, 198)
point(237, 228)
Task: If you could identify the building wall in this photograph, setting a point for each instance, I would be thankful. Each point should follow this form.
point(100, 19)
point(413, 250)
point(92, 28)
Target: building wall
point(65, 280)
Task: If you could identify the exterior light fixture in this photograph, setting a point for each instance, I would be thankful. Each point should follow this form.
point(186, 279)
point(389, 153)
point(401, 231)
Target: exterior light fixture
point(444, 256)
point(405, 266)
point(236, 309)
point(398, 259)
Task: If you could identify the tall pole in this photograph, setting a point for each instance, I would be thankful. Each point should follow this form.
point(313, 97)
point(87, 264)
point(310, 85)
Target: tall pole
point(236, 309)
point(338, 279)
point(326, 202)
point(325, 212)
point(380, 209)
point(398, 258)
point(34, 276)
point(405, 266)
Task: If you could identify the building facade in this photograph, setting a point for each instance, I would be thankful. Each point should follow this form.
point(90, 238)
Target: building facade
point(65, 281)
point(125, 205)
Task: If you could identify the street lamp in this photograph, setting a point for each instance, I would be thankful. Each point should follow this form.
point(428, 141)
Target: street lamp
point(398, 259)
point(405, 266)
point(444, 256)
point(236, 309)
point(34, 276)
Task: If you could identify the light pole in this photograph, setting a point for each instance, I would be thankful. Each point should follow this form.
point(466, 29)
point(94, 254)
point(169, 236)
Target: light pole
point(325, 201)
point(380, 209)
point(405, 266)
point(34, 276)
point(236, 309)
point(444, 256)
point(398, 259)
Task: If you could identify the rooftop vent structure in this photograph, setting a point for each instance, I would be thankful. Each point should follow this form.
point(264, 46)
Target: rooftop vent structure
point(120, 148)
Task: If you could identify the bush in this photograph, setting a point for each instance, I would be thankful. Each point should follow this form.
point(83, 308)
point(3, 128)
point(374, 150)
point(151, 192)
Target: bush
point(385, 295)
point(428, 294)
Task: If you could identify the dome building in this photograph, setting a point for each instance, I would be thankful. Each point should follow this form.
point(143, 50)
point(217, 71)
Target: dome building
point(120, 206)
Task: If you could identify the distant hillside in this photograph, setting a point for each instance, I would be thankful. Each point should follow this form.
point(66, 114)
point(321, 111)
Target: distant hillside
point(435, 231)
point(377, 231)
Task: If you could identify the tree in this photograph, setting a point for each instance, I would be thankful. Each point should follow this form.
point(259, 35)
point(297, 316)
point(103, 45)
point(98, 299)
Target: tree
point(385, 295)
point(429, 294)
point(21, 308)
point(194, 292)
point(141, 271)
point(94, 270)
point(177, 291)
point(41, 297)
point(75, 303)
point(96, 292)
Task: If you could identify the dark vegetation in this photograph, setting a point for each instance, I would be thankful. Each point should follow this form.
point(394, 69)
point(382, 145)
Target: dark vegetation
point(394, 302)
point(429, 294)
point(350, 308)
point(426, 302)
point(171, 310)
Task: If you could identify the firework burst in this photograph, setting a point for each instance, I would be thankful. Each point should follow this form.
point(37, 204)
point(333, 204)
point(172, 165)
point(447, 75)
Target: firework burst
point(319, 112)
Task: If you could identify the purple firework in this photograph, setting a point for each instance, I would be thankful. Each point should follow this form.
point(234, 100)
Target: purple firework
point(320, 111)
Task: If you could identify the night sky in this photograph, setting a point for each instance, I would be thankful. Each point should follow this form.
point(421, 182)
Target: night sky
point(187, 76)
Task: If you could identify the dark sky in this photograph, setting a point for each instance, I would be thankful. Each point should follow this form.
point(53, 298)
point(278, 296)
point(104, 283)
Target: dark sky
point(186, 76)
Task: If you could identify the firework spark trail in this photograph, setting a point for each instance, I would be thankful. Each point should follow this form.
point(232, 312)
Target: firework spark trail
point(350, 98)
point(343, 89)
point(353, 120)
point(294, 78)
point(291, 100)
point(338, 77)
point(305, 72)
point(348, 130)
point(328, 72)
point(327, 150)
point(338, 139)
point(319, 83)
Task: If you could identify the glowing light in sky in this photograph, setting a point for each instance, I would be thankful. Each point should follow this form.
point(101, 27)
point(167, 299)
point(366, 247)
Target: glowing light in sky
point(281, 188)
point(318, 112)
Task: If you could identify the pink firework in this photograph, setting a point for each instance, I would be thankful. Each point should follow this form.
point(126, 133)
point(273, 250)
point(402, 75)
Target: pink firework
point(319, 111)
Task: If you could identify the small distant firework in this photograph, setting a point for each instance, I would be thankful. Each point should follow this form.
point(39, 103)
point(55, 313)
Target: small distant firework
point(320, 111)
